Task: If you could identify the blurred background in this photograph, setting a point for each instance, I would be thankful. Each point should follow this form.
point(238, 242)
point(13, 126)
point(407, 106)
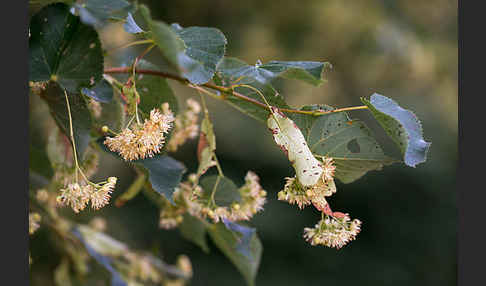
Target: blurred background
point(403, 49)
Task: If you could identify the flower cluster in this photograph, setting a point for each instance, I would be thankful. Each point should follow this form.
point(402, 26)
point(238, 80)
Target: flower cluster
point(333, 231)
point(34, 219)
point(78, 196)
point(143, 140)
point(186, 126)
point(189, 197)
point(253, 198)
point(295, 192)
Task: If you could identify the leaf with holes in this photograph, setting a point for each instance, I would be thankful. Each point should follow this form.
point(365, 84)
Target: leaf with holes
point(349, 142)
point(241, 246)
point(63, 49)
point(402, 126)
point(81, 117)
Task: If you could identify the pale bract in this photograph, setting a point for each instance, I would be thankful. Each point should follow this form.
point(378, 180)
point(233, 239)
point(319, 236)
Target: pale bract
point(290, 139)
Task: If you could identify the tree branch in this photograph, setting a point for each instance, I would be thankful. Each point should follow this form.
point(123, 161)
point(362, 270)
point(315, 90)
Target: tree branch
point(226, 90)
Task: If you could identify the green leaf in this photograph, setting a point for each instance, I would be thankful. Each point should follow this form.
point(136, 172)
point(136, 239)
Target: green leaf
point(252, 110)
point(165, 173)
point(39, 162)
point(310, 72)
point(113, 114)
point(205, 47)
point(81, 117)
point(349, 142)
point(102, 91)
point(241, 246)
point(131, 26)
point(402, 126)
point(164, 36)
point(98, 12)
point(194, 230)
point(63, 49)
point(193, 52)
point(225, 191)
point(226, 76)
point(99, 246)
point(154, 90)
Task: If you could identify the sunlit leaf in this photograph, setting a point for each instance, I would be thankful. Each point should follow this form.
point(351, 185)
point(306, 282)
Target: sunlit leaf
point(98, 12)
point(205, 47)
point(402, 126)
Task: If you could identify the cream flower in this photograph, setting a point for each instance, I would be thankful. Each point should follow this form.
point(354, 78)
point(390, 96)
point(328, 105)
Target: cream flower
point(333, 231)
point(143, 140)
point(186, 126)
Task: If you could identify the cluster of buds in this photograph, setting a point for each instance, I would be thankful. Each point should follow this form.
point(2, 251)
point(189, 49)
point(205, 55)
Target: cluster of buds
point(253, 198)
point(185, 125)
point(143, 140)
point(78, 196)
point(295, 192)
point(333, 230)
point(34, 219)
point(189, 197)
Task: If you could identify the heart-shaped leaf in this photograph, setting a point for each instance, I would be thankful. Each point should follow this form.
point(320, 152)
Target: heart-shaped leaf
point(402, 126)
point(205, 47)
point(63, 49)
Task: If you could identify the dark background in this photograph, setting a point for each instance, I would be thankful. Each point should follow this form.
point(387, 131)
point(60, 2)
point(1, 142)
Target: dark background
point(406, 50)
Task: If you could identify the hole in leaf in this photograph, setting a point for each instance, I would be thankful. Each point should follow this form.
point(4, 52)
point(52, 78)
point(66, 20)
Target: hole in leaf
point(353, 146)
